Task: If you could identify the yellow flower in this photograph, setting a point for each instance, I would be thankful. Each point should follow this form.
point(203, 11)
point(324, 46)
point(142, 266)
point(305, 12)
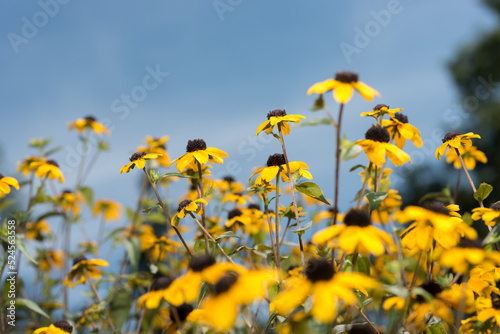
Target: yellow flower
point(58, 327)
point(185, 207)
point(394, 303)
point(280, 119)
point(37, 230)
point(29, 164)
point(228, 184)
point(237, 216)
point(6, 183)
point(483, 280)
point(433, 223)
point(326, 287)
point(276, 164)
point(453, 140)
point(198, 152)
point(160, 247)
point(69, 201)
point(236, 287)
point(343, 87)
point(48, 168)
point(387, 207)
point(327, 214)
point(81, 267)
point(490, 309)
point(469, 155)
point(380, 110)
point(138, 159)
point(49, 259)
point(156, 145)
point(401, 130)
point(237, 198)
point(110, 209)
point(262, 189)
point(377, 147)
point(490, 216)
point(454, 295)
point(466, 255)
point(357, 234)
point(89, 123)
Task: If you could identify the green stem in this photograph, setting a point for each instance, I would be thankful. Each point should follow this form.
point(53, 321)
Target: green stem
point(203, 219)
point(277, 222)
point(110, 321)
point(337, 167)
point(266, 211)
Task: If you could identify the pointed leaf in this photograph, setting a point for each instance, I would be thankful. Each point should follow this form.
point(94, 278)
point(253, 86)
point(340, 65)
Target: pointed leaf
point(133, 247)
point(316, 121)
point(228, 234)
point(22, 248)
point(170, 174)
point(483, 192)
point(375, 199)
point(311, 189)
point(303, 229)
point(32, 306)
point(88, 195)
point(319, 103)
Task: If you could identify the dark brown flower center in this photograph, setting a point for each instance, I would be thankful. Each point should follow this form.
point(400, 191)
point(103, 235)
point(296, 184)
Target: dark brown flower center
point(90, 119)
point(496, 304)
point(380, 106)
point(201, 262)
point(229, 179)
point(468, 243)
point(234, 213)
point(357, 217)
point(64, 326)
point(431, 287)
point(437, 207)
point(276, 160)
point(183, 204)
point(226, 282)
point(79, 259)
point(319, 270)
point(161, 283)
point(137, 156)
point(67, 191)
point(276, 113)
point(196, 145)
point(253, 206)
point(378, 133)
point(346, 77)
point(401, 117)
point(182, 310)
point(495, 207)
point(360, 329)
point(52, 162)
point(450, 136)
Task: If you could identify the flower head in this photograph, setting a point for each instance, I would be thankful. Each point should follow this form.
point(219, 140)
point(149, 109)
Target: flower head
point(377, 147)
point(490, 216)
point(47, 168)
point(198, 152)
point(89, 123)
point(343, 87)
point(37, 230)
point(6, 183)
point(280, 119)
point(108, 208)
point(276, 164)
point(454, 140)
point(156, 145)
point(83, 268)
point(29, 164)
point(58, 327)
point(186, 207)
point(69, 201)
point(138, 159)
point(466, 255)
point(380, 110)
point(401, 130)
point(470, 156)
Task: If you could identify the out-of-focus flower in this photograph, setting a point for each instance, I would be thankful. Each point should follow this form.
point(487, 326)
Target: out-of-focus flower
point(186, 207)
point(37, 230)
point(110, 209)
point(58, 327)
point(138, 159)
point(470, 156)
point(5, 184)
point(83, 267)
point(89, 123)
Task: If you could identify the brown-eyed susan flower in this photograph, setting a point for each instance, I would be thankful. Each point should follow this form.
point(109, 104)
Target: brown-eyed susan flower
point(5, 184)
point(89, 123)
point(453, 297)
point(37, 230)
point(327, 214)
point(280, 119)
point(153, 298)
point(434, 222)
point(47, 168)
point(466, 255)
point(482, 279)
point(157, 145)
point(401, 130)
point(380, 110)
point(394, 303)
point(198, 152)
point(236, 216)
point(228, 184)
point(357, 234)
point(185, 207)
point(377, 147)
point(58, 327)
point(470, 156)
point(138, 159)
point(109, 209)
point(453, 140)
point(343, 87)
point(488, 309)
point(49, 259)
point(237, 198)
point(262, 189)
point(490, 216)
point(160, 247)
point(327, 288)
point(236, 287)
point(69, 201)
point(276, 164)
point(83, 267)
point(29, 164)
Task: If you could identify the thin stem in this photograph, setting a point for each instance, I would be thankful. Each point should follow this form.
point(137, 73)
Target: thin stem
point(91, 164)
point(254, 320)
point(415, 273)
point(400, 252)
point(110, 321)
point(277, 222)
point(461, 306)
point(467, 173)
point(337, 167)
point(82, 162)
point(203, 219)
point(367, 320)
point(284, 233)
point(292, 186)
point(457, 185)
point(208, 235)
point(266, 211)
point(375, 178)
point(166, 213)
point(365, 182)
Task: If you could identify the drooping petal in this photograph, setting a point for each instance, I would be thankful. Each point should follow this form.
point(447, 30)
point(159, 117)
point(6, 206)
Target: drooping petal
point(321, 87)
point(366, 91)
point(343, 92)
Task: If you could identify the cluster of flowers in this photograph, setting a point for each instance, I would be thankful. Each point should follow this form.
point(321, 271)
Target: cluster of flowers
point(376, 267)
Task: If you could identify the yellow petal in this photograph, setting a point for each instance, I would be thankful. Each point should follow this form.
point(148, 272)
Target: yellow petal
point(366, 91)
point(343, 92)
point(321, 87)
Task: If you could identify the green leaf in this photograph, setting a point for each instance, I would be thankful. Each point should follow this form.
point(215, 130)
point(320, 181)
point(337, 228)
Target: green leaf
point(239, 249)
point(209, 191)
point(22, 248)
point(348, 149)
point(156, 206)
point(88, 195)
point(119, 307)
point(315, 121)
point(356, 167)
point(32, 306)
point(363, 265)
point(311, 189)
point(133, 247)
point(228, 234)
point(319, 103)
point(303, 229)
point(173, 174)
point(366, 302)
point(375, 199)
point(483, 192)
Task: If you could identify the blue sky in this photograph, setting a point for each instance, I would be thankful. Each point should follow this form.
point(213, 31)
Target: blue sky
point(228, 64)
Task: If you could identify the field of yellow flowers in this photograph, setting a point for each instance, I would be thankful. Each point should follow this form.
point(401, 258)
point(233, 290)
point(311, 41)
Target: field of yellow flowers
point(232, 255)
